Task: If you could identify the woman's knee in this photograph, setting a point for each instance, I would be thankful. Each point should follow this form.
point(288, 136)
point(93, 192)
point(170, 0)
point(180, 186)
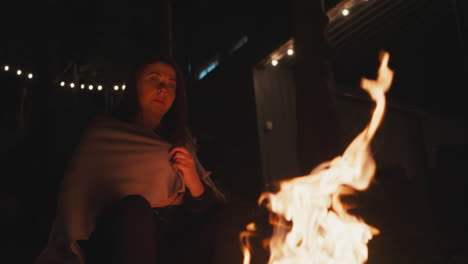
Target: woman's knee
point(126, 232)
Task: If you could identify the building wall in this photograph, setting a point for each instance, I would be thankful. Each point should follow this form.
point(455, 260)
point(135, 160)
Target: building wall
point(276, 122)
point(408, 138)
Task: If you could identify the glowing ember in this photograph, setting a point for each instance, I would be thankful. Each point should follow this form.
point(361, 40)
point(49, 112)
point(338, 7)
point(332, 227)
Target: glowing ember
point(313, 226)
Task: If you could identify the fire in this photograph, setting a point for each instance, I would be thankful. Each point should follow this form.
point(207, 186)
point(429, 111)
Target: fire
point(245, 242)
point(313, 224)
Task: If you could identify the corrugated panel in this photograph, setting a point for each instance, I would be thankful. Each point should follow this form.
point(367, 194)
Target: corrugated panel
point(369, 20)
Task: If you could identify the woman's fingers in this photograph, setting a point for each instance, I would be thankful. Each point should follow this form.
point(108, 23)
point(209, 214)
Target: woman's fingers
point(182, 162)
point(182, 156)
point(180, 149)
point(180, 166)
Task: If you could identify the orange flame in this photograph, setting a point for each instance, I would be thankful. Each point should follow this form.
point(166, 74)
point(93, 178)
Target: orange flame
point(321, 230)
point(245, 242)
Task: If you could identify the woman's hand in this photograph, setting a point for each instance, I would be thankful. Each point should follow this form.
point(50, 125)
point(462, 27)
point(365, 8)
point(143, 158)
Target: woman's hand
point(183, 161)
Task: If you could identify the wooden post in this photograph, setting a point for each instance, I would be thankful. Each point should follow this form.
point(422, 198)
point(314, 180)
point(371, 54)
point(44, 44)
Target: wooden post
point(318, 136)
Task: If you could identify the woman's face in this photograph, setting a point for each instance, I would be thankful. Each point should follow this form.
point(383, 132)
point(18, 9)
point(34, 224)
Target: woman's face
point(156, 89)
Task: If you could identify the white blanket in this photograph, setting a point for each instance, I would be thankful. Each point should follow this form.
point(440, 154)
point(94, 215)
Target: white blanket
point(114, 159)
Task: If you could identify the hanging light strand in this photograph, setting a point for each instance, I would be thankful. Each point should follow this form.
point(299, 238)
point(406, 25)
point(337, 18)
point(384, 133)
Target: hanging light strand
point(19, 72)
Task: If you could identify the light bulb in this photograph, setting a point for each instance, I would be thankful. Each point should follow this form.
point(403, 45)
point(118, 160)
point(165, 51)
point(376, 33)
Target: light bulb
point(116, 87)
point(18, 72)
point(62, 84)
point(72, 85)
point(274, 62)
point(99, 87)
point(6, 68)
point(290, 52)
point(30, 76)
point(345, 12)
point(90, 87)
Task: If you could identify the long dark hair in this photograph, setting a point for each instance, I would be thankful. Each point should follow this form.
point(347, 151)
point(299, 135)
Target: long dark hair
point(174, 125)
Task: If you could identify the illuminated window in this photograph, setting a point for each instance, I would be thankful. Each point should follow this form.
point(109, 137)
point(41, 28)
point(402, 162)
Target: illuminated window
point(208, 69)
point(239, 44)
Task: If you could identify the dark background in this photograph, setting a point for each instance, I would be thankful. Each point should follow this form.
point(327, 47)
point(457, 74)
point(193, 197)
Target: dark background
point(95, 40)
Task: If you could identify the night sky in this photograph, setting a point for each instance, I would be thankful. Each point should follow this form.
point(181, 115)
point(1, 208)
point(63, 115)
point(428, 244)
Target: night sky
point(426, 44)
point(91, 32)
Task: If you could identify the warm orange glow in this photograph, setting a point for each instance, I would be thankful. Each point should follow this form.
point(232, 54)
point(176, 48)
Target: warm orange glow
point(245, 242)
point(313, 224)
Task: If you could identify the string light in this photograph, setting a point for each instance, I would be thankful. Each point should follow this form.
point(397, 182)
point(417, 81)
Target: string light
point(290, 52)
point(274, 62)
point(345, 12)
point(30, 75)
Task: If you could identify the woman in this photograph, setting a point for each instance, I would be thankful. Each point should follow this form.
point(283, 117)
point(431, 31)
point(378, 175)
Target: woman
point(133, 178)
